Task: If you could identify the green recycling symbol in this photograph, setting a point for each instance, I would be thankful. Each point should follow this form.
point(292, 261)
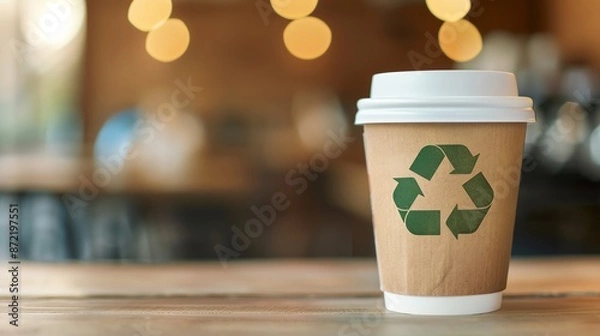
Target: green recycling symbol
point(460, 221)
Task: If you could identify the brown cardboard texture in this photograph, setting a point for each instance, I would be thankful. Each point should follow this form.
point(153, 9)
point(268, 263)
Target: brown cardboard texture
point(443, 198)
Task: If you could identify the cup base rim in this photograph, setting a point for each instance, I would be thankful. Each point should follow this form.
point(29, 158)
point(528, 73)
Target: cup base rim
point(443, 305)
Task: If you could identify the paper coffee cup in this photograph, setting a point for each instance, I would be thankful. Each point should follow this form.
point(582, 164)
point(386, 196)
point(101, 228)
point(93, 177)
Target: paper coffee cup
point(444, 152)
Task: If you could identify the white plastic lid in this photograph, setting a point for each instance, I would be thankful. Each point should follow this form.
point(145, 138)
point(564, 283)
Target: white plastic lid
point(448, 96)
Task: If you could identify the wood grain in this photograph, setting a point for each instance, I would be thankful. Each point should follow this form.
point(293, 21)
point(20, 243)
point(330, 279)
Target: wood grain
point(272, 278)
point(308, 316)
point(296, 297)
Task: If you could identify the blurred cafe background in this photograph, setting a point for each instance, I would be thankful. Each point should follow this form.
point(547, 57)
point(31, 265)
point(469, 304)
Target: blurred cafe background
point(159, 130)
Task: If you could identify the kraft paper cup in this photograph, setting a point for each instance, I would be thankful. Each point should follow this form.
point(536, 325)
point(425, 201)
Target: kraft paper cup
point(444, 152)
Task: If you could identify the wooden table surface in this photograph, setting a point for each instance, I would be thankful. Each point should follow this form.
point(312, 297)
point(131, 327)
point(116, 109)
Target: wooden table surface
point(298, 297)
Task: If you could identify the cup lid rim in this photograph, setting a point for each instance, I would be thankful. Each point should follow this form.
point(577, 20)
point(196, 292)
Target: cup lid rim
point(445, 96)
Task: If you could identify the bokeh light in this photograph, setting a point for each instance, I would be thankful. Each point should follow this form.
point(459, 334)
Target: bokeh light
point(315, 112)
point(170, 156)
point(449, 10)
point(307, 38)
point(146, 15)
point(116, 133)
point(48, 24)
point(169, 41)
point(460, 41)
point(594, 144)
point(294, 9)
point(501, 51)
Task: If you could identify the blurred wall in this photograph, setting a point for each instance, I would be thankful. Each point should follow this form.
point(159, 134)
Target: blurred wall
point(238, 55)
point(575, 25)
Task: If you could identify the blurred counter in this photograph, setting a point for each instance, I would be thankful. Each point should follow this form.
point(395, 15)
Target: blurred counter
point(216, 175)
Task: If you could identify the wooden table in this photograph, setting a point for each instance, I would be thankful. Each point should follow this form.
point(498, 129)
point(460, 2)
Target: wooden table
point(301, 297)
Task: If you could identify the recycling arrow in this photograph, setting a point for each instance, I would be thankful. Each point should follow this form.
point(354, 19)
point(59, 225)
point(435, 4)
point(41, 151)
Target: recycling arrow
point(465, 221)
point(406, 192)
point(426, 164)
point(428, 161)
point(460, 158)
point(468, 221)
point(430, 157)
point(417, 222)
point(423, 222)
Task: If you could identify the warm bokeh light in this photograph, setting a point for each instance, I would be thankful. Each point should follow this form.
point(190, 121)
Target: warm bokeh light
point(449, 10)
point(146, 15)
point(294, 9)
point(48, 24)
point(460, 41)
point(169, 41)
point(315, 113)
point(307, 38)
